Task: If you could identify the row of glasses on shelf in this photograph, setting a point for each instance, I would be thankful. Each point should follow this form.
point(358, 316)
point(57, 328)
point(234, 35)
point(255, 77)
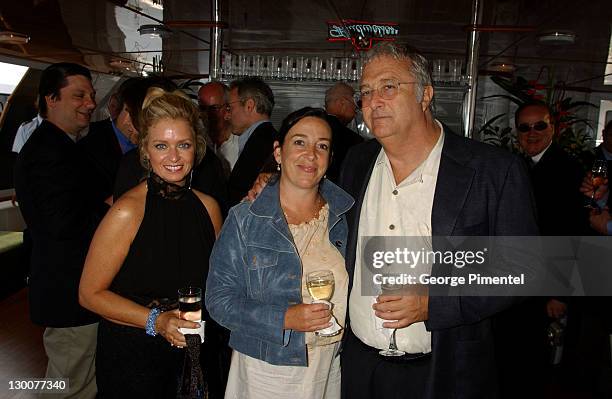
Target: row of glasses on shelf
point(448, 71)
point(291, 67)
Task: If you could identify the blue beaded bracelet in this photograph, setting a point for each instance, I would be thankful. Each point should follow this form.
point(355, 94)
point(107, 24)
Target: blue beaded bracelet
point(150, 326)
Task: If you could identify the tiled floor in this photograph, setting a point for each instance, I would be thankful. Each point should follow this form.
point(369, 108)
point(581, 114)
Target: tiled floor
point(21, 349)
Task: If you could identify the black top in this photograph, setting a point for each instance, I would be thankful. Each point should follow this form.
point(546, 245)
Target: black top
point(172, 245)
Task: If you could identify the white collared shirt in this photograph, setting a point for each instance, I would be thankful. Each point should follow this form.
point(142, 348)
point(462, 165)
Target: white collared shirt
point(24, 132)
point(536, 158)
point(391, 209)
point(228, 152)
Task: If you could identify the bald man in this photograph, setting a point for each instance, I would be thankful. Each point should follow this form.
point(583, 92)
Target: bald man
point(212, 98)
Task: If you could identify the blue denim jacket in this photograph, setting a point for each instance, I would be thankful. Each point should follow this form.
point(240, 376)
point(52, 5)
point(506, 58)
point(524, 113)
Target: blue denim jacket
point(256, 274)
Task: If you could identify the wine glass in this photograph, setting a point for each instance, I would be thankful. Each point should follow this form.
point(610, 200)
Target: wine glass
point(599, 174)
point(320, 285)
point(390, 286)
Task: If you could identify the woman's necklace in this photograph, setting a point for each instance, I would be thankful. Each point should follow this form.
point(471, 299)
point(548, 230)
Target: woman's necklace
point(303, 216)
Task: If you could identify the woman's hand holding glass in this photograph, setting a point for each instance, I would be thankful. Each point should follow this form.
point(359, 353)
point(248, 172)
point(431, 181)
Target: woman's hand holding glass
point(168, 324)
point(321, 286)
point(307, 317)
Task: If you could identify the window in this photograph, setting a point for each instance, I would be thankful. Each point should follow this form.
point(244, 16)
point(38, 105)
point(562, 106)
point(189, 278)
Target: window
point(10, 76)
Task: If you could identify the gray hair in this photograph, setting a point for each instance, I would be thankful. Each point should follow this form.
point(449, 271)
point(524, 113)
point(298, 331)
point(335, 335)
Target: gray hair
point(256, 89)
point(419, 65)
point(338, 90)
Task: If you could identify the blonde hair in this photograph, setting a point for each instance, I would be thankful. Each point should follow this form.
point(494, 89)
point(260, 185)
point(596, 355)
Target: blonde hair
point(160, 104)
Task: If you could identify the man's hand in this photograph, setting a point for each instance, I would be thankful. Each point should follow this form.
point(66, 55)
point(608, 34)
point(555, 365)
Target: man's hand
point(587, 187)
point(403, 310)
point(555, 309)
point(304, 317)
point(599, 221)
point(258, 186)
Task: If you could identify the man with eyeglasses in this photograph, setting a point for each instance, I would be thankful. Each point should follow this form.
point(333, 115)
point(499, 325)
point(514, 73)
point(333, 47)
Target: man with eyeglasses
point(419, 179)
point(250, 105)
point(213, 98)
point(341, 109)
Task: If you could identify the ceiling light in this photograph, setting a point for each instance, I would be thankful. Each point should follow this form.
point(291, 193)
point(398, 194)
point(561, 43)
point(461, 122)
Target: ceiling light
point(154, 30)
point(13, 37)
point(557, 37)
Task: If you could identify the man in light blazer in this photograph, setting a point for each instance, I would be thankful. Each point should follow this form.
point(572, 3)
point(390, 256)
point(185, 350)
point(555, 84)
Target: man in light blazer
point(419, 179)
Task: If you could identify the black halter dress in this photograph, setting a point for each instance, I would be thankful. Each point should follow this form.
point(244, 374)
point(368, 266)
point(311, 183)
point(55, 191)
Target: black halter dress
point(170, 251)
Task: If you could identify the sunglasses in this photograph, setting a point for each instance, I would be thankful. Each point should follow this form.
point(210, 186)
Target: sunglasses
point(526, 127)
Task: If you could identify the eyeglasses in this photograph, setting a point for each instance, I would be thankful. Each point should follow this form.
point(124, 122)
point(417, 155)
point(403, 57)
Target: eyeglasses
point(228, 105)
point(387, 90)
point(537, 126)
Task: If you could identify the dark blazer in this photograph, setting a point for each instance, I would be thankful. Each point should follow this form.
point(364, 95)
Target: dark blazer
point(257, 151)
point(62, 216)
point(343, 138)
point(556, 180)
point(103, 154)
point(208, 177)
point(481, 190)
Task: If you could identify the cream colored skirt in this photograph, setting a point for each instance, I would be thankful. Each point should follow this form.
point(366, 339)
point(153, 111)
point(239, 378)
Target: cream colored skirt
point(251, 378)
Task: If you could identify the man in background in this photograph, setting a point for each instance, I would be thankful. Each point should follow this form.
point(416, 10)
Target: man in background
point(62, 216)
point(109, 139)
point(212, 98)
point(250, 105)
point(341, 109)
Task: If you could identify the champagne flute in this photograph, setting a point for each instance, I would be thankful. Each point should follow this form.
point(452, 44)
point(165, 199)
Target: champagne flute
point(390, 286)
point(320, 285)
point(599, 174)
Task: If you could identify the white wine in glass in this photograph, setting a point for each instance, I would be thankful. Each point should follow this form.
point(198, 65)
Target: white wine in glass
point(320, 285)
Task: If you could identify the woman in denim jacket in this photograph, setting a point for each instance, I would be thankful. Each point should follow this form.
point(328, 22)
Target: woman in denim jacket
point(256, 284)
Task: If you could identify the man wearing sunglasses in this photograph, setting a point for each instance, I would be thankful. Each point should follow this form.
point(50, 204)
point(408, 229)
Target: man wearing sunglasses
point(556, 176)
